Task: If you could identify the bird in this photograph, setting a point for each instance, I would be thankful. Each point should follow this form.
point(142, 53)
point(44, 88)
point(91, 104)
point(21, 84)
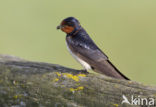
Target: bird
point(85, 51)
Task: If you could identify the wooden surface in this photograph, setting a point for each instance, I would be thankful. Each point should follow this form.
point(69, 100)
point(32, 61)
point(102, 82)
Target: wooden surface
point(35, 84)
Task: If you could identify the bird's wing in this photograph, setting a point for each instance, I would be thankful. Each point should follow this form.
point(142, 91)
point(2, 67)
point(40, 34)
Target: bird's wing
point(86, 49)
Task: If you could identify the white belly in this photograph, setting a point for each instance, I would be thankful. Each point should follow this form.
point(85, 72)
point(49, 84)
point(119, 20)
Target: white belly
point(82, 62)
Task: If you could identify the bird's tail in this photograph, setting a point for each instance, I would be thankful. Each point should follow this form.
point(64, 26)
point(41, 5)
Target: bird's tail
point(107, 68)
point(126, 78)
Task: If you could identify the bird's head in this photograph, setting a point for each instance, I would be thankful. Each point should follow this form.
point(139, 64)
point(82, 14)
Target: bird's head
point(69, 25)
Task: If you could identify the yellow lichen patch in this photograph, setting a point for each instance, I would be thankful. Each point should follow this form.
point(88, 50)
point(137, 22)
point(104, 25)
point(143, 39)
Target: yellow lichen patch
point(56, 80)
point(74, 77)
point(80, 88)
point(72, 89)
point(81, 75)
point(116, 105)
point(76, 89)
point(129, 82)
point(16, 96)
point(58, 74)
point(68, 75)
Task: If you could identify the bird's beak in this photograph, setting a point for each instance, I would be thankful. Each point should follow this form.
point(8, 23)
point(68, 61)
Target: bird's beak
point(59, 27)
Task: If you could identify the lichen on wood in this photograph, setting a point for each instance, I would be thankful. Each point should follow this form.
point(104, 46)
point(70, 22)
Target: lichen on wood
point(36, 84)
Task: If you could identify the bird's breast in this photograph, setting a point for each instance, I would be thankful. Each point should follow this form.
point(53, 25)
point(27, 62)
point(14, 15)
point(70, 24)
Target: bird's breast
point(81, 61)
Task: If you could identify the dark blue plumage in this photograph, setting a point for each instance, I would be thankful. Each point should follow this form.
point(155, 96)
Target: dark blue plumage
point(85, 51)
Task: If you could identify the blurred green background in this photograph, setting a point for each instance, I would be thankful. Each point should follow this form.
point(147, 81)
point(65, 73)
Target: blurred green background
point(124, 29)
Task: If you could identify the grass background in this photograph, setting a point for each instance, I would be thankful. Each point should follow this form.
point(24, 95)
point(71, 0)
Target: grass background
point(124, 29)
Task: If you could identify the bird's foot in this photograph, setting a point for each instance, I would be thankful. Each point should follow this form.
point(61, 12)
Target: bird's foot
point(84, 71)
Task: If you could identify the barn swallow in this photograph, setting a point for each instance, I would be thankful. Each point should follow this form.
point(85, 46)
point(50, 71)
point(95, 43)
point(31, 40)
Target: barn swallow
point(85, 51)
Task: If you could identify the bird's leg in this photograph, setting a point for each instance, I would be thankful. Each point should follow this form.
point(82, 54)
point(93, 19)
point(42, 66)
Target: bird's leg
point(84, 71)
